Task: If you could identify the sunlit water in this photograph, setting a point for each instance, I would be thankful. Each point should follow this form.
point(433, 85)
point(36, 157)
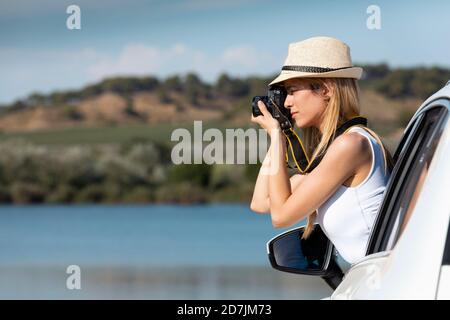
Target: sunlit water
point(143, 252)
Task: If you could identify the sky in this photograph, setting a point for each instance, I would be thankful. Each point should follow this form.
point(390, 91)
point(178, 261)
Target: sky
point(38, 53)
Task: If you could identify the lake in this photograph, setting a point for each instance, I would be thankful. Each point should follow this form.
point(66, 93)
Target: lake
point(143, 252)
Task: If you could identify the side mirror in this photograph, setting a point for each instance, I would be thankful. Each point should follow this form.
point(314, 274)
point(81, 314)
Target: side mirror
point(288, 252)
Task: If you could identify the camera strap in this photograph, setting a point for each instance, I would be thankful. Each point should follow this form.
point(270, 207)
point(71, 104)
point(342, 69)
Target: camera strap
point(296, 148)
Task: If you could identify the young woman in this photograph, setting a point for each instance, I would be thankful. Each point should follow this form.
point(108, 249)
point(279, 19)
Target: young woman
point(344, 192)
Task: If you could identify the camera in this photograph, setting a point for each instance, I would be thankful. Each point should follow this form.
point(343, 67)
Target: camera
point(274, 101)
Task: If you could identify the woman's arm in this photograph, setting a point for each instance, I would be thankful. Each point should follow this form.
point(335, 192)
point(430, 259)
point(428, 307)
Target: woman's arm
point(345, 154)
point(279, 187)
point(261, 200)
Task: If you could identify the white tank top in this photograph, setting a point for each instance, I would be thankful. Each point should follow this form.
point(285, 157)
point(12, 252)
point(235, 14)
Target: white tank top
point(348, 216)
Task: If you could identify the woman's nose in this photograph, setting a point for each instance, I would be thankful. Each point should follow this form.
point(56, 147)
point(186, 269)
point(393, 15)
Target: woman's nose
point(288, 101)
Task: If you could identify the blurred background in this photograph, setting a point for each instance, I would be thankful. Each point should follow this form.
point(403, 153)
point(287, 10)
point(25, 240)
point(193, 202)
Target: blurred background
point(86, 117)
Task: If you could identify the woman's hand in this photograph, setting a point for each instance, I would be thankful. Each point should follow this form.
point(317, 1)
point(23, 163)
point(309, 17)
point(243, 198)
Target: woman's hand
point(266, 121)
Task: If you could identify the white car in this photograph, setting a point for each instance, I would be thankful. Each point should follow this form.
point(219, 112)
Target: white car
point(408, 253)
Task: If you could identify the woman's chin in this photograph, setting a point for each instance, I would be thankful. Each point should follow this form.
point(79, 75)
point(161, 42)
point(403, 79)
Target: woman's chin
point(302, 125)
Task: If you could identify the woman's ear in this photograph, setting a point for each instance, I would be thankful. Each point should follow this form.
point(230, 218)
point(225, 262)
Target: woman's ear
point(327, 90)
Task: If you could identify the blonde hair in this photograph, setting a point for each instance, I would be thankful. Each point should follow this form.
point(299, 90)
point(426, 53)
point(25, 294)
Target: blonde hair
point(343, 105)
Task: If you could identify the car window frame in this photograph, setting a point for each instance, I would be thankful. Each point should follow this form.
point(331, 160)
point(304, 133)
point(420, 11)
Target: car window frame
point(446, 255)
point(431, 138)
point(403, 158)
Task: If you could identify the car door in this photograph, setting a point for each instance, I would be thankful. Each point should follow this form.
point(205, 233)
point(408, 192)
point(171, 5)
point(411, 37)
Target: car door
point(404, 253)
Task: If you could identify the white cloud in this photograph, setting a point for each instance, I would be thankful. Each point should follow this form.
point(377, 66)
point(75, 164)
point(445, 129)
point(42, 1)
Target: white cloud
point(244, 56)
point(141, 59)
point(135, 59)
point(179, 48)
point(28, 70)
point(25, 71)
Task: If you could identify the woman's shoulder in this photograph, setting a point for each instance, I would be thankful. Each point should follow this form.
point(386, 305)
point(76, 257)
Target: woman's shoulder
point(351, 142)
point(352, 147)
point(353, 152)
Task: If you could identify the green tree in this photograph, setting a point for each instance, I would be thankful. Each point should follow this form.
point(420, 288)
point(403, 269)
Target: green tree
point(173, 83)
point(231, 87)
point(198, 174)
point(193, 88)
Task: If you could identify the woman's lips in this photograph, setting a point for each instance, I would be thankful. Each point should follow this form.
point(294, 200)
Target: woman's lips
point(294, 113)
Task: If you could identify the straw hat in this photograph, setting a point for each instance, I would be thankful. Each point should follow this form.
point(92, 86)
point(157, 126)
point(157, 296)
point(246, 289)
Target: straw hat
point(318, 57)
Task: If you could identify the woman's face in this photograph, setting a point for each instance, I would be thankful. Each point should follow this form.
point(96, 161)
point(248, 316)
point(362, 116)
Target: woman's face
point(306, 105)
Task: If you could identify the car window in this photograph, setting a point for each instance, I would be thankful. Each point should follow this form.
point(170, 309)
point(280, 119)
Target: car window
point(412, 158)
point(407, 137)
point(382, 217)
point(417, 172)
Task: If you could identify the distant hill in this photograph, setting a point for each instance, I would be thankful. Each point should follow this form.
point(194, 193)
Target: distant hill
point(107, 108)
point(388, 97)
